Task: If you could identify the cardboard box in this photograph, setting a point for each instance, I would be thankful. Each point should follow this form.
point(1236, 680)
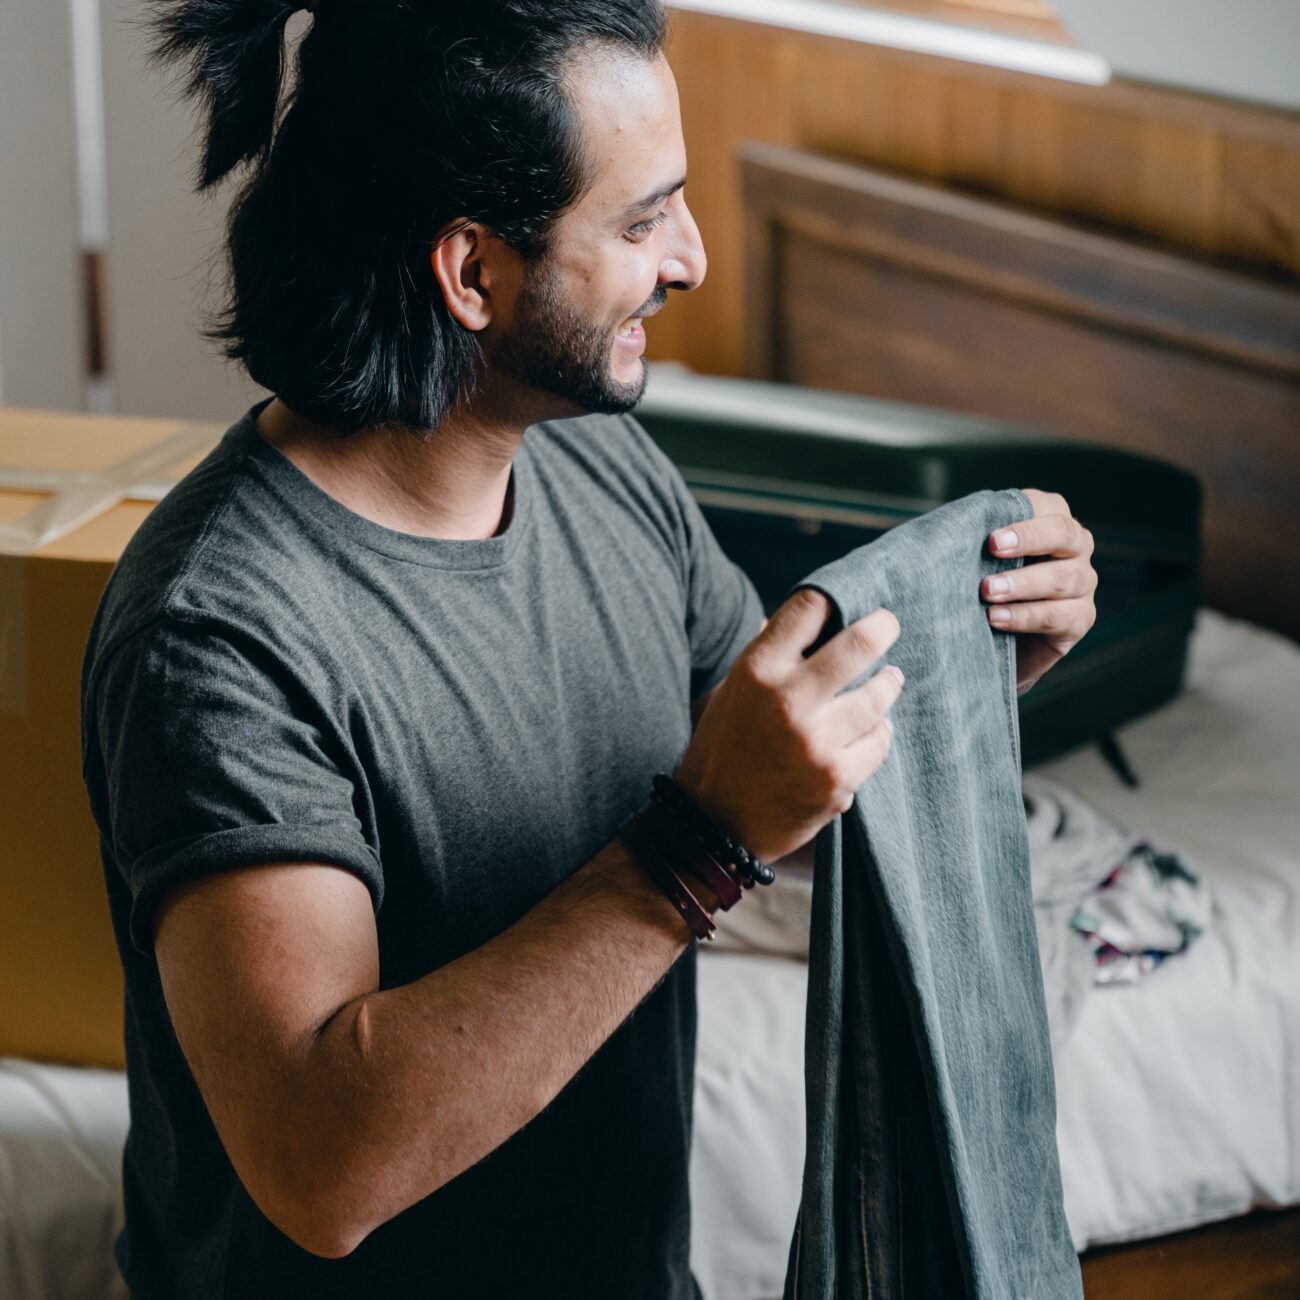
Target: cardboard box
point(73, 490)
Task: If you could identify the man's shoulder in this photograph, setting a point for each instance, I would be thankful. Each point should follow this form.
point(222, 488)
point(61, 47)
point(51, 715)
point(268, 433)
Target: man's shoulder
point(207, 552)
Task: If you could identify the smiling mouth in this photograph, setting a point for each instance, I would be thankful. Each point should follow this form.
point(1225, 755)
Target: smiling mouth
point(652, 306)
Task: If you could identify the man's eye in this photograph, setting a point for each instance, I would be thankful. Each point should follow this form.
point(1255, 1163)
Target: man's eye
point(643, 228)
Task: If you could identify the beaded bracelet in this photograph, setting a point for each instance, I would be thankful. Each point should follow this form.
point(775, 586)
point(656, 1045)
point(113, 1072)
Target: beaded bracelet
point(668, 794)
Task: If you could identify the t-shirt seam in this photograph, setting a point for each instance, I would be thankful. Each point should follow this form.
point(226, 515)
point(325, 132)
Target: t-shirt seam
point(165, 609)
point(205, 532)
point(470, 571)
point(102, 662)
point(189, 622)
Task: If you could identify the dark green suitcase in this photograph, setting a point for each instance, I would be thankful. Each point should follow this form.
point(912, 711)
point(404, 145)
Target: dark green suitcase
point(791, 478)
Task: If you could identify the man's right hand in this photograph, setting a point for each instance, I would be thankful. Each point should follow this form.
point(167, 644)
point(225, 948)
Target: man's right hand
point(777, 754)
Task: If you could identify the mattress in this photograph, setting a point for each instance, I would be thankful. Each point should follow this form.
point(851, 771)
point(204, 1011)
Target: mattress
point(1178, 1098)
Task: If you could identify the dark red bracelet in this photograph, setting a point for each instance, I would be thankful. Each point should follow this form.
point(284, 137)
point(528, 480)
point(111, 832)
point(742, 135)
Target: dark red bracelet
point(669, 795)
point(691, 853)
point(644, 847)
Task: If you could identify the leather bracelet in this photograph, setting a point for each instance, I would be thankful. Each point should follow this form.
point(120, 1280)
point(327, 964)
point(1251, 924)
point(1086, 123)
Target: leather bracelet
point(669, 795)
point(691, 853)
point(645, 849)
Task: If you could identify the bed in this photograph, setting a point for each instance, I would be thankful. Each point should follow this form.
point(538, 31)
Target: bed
point(1178, 1097)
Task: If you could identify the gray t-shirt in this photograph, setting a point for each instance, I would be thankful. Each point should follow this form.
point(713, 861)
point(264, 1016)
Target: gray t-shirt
point(462, 724)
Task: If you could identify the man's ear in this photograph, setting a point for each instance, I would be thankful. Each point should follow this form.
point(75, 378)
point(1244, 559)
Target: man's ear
point(459, 263)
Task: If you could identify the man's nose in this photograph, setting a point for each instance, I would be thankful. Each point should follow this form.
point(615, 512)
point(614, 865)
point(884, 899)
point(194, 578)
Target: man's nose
point(686, 263)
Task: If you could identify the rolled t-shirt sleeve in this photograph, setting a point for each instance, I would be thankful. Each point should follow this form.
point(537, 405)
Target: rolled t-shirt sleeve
point(214, 755)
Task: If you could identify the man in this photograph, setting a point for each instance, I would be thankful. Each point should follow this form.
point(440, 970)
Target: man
point(372, 689)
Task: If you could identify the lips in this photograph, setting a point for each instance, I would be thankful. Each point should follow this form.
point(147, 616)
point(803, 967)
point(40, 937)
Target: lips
point(652, 306)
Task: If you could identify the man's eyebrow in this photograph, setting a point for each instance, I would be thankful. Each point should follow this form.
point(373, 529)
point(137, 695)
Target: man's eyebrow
point(651, 199)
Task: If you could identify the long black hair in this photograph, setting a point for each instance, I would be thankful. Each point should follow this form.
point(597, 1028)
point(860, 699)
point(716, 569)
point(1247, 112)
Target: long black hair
point(404, 115)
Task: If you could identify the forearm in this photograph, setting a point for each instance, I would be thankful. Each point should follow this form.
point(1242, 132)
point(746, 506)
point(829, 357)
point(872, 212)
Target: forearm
point(411, 1086)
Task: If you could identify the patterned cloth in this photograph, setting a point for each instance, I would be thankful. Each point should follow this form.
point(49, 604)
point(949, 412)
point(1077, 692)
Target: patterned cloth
point(1108, 906)
point(1147, 910)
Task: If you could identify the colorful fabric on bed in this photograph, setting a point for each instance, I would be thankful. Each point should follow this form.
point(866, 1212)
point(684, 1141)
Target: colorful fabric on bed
point(931, 1165)
point(1150, 908)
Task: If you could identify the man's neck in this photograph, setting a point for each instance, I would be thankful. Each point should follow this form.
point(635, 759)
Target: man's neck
point(452, 485)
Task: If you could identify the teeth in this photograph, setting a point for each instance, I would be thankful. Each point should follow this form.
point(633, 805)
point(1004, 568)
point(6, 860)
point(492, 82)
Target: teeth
point(627, 327)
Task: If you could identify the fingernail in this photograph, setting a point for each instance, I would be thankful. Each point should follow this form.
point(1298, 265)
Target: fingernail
point(1000, 614)
point(898, 672)
point(999, 584)
point(890, 725)
point(1008, 541)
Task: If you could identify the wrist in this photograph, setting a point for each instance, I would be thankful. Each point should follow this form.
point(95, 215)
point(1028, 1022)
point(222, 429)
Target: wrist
point(734, 865)
point(628, 877)
point(656, 853)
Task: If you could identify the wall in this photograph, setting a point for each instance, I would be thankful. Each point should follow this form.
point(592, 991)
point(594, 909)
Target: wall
point(1212, 176)
point(41, 325)
point(164, 262)
point(1247, 49)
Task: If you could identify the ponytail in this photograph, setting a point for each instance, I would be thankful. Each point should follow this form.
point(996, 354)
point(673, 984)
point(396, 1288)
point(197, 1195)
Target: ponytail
point(233, 57)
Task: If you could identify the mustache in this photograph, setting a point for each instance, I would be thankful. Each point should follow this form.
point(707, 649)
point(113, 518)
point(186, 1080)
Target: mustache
point(653, 303)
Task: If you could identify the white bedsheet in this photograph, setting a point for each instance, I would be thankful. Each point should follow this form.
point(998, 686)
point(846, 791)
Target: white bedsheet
point(61, 1135)
point(1178, 1099)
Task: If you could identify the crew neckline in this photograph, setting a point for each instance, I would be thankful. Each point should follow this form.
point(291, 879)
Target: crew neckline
point(436, 552)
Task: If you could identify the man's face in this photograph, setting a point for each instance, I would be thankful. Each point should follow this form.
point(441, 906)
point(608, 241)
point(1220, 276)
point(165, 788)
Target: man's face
point(576, 328)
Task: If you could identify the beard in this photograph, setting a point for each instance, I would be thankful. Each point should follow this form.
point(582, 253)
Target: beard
point(550, 347)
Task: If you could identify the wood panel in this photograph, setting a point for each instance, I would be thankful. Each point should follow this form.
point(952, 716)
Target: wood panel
point(1033, 18)
point(867, 282)
point(1209, 175)
point(1255, 1257)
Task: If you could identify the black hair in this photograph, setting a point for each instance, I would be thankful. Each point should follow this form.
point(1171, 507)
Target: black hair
point(403, 115)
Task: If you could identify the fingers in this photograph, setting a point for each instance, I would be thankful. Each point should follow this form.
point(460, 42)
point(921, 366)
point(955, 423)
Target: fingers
point(1046, 503)
point(1050, 580)
point(793, 627)
point(1060, 535)
point(848, 654)
point(852, 716)
point(864, 757)
point(777, 653)
point(851, 765)
point(1066, 620)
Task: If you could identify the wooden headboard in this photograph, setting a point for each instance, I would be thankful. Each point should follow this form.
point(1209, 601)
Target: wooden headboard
point(867, 282)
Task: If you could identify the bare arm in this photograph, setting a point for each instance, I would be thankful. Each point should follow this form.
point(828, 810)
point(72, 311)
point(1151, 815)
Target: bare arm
point(340, 1105)
point(272, 982)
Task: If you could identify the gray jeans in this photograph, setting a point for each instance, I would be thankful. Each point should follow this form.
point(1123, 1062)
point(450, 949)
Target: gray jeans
point(931, 1167)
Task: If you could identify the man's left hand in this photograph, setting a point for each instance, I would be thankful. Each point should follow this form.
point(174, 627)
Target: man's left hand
point(1048, 604)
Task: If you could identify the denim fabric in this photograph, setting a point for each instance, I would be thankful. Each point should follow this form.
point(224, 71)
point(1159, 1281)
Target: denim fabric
point(931, 1167)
